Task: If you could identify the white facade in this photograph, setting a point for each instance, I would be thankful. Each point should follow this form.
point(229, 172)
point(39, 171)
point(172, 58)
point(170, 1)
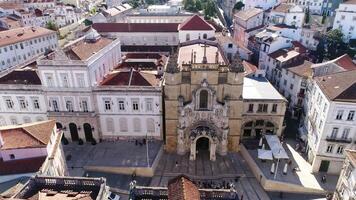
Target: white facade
point(243, 25)
point(345, 188)
point(22, 51)
point(315, 6)
point(188, 35)
point(129, 113)
point(331, 129)
point(276, 43)
point(19, 106)
point(345, 20)
point(294, 16)
point(263, 4)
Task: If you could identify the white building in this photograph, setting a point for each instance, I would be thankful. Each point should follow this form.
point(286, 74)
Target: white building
point(287, 14)
point(195, 28)
point(330, 120)
point(345, 188)
point(270, 42)
point(36, 145)
point(247, 23)
point(314, 6)
point(17, 104)
point(67, 77)
point(345, 19)
point(263, 4)
point(21, 45)
point(133, 112)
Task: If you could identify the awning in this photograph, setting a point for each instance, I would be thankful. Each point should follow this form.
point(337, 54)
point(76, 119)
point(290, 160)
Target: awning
point(264, 154)
point(276, 147)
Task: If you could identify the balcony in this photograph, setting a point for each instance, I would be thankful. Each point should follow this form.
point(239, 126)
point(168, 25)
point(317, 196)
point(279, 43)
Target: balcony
point(67, 113)
point(339, 140)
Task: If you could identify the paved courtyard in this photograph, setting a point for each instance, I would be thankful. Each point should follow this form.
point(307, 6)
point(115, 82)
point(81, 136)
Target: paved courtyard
point(226, 169)
point(117, 154)
point(302, 176)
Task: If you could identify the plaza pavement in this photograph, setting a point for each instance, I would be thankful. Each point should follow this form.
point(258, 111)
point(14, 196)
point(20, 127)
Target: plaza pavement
point(113, 154)
point(302, 177)
point(231, 168)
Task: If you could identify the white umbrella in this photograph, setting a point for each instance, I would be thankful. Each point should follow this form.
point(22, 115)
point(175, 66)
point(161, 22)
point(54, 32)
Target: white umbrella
point(285, 168)
point(272, 168)
point(260, 143)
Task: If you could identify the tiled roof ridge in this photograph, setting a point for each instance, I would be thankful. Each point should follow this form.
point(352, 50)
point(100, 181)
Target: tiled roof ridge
point(34, 135)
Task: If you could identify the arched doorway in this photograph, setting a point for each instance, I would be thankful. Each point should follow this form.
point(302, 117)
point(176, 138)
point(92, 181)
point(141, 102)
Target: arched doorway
point(202, 145)
point(59, 125)
point(88, 132)
point(73, 132)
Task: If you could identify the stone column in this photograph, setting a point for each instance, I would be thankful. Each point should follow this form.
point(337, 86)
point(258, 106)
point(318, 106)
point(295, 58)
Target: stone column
point(180, 139)
point(192, 150)
point(224, 142)
point(212, 151)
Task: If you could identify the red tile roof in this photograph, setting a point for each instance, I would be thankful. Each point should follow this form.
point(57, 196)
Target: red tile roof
point(339, 86)
point(32, 135)
point(84, 50)
point(195, 23)
point(249, 67)
point(29, 165)
point(22, 76)
point(22, 34)
point(135, 27)
point(132, 78)
point(345, 62)
point(182, 188)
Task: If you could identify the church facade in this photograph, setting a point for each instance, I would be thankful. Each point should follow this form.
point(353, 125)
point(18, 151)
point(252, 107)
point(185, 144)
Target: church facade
point(203, 101)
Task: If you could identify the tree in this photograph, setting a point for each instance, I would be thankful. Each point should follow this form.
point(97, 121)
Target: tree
point(135, 3)
point(320, 51)
point(324, 18)
point(307, 16)
point(198, 5)
point(190, 5)
point(334, 44)
point(209, 9)
point(239, 5)
point(51, 25)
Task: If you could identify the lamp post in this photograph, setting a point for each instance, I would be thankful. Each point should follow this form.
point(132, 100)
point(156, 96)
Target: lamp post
point(276, 171)
point(148, 159)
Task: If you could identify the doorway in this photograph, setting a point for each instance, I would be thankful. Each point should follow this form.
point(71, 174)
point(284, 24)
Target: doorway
point(202, 144)
point(88, 132)
point(324, 166)
point(73, 132)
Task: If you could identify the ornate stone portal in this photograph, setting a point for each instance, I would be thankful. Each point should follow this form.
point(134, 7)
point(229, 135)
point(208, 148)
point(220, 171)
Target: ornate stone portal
point(205, 117)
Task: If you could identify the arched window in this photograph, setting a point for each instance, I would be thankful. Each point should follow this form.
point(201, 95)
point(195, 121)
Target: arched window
point(205, 36)
point(123, 124)
point(137, 124)
point(110, 125)
point(203, 99)
point(187, 37)
point(150, 125)
point(2, 121)
point(27, 119)
point(39, 119)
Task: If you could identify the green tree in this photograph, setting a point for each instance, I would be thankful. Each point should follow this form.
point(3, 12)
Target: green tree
point(51, 25)
point(209, 9)
point(307, 16)
point(190, 5)
point(334, 44)
point(198, 5)
point(239, 5)
point(323, 19)
point(135, 3)
point(320, 51)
